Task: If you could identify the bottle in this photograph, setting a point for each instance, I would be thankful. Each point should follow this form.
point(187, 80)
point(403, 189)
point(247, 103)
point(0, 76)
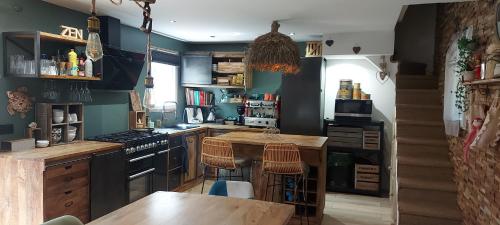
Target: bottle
point(72, 58)
point(81, 66)
point(88, 67)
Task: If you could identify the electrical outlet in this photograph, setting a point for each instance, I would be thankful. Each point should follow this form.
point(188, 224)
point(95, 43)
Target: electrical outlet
point(6, 129)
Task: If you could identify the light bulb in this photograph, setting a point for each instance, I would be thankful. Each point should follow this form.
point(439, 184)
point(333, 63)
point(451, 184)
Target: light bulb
point(148, 101)
point(94, 47)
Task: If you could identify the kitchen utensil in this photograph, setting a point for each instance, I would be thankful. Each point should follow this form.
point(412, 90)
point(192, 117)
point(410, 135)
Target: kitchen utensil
point(42, 143)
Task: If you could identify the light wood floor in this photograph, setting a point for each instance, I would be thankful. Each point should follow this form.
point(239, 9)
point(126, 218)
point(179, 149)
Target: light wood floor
point(344, 209)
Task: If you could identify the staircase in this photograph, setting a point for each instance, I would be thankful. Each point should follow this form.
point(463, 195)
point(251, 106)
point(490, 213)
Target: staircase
point(426, 190)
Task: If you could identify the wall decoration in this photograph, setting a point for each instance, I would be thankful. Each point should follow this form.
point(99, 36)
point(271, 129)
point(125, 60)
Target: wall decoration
point(329, 42)
point(489, 134)
point(356, 49)
point(19, 101)
point(476, 125)
point(71, 32)
point(314, 49)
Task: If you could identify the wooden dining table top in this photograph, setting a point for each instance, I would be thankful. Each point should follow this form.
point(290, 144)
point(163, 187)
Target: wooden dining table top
point(172, 208)
point(254, 138)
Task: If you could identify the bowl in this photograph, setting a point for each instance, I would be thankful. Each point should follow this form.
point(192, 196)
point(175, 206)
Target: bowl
point(73, 118)
point(57, 112)
point(42, 143)
point(58, 119)
point(71, 136)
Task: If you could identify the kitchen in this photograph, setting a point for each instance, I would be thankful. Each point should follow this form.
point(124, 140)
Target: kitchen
point(129, 109)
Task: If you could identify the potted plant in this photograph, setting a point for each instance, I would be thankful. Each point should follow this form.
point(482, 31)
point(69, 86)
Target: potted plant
point(465, 71)
point(465, 63)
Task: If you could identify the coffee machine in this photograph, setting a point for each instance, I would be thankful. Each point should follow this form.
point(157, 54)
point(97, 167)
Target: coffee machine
point(241, 114)
point(260, 113)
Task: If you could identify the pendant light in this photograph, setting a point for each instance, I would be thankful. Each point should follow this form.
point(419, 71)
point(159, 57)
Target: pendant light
point(274, 52)
point(94, 46)
point(147, 27)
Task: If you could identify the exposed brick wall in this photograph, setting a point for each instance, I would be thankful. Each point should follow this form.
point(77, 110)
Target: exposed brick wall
point(478, 179)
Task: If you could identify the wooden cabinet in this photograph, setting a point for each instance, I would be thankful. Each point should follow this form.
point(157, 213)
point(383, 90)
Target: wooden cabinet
point(191, 143)
point(66, 189)
point(197, 68)
point(201, 136)
point(71, 127)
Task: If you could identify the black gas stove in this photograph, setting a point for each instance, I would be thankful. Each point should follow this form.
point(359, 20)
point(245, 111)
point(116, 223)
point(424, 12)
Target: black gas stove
point(135, 141)
point(133, 169)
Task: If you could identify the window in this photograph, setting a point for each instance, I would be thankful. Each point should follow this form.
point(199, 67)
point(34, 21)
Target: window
point(166, 83)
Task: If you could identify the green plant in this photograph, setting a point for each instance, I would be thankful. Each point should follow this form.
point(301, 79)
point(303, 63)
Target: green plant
point(464, 63)
point(465, 48)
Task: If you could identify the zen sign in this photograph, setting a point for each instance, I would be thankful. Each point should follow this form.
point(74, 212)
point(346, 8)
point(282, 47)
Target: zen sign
point(314, 49)
point(71, 32)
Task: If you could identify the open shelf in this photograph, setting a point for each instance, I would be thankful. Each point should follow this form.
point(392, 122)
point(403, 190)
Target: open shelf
point(495, 81)
point(65, 77)
point(213, 86)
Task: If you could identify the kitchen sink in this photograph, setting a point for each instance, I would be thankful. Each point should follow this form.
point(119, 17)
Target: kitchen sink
point(182, 127)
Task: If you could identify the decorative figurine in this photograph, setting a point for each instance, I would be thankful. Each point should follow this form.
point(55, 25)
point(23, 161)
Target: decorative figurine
point(477, 123)
point(19, 101)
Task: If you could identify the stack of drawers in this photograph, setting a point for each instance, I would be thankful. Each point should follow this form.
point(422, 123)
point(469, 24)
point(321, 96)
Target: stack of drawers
point(367, 177)
point(346, 137)
point(371, 140)
point(66, 190)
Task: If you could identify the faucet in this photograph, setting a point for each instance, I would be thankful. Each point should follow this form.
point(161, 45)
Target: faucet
point(166, 109)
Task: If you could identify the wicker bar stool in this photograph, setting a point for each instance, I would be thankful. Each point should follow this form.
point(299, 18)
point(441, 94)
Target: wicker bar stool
point(283, 159)
point(218, 154)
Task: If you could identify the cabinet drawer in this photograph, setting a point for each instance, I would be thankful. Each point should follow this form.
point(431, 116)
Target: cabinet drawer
point(368, 177)
point(175, 158)
point(67, 168)
point(364, 168)
point(66, 177)
point(74, 202)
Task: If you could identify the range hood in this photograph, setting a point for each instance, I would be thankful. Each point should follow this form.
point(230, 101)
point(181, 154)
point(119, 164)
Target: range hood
point(121, 69)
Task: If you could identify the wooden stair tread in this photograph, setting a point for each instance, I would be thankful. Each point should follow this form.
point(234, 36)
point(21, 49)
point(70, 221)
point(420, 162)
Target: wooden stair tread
point(405, 219)
point(418, 106)
point(420, 122)
point(422, 141)
point(427, 178)
point(428, 203)
point(423, 160)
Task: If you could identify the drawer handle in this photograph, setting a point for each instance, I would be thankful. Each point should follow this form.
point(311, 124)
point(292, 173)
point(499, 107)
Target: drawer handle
point(68, 204)
point(68, 192)
point(68, 167)
point(68, 179)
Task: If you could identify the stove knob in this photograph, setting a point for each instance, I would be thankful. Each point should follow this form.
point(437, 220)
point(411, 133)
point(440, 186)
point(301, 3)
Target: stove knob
point(132, 150)
point(127, 151)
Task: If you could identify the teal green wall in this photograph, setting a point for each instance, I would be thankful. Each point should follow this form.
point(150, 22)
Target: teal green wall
point(262, 81)
point(109, 111)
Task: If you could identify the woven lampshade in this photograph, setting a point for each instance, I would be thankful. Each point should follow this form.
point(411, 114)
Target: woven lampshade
point(274, 52)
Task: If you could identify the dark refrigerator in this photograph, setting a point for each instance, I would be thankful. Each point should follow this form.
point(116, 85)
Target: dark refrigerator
point(302, 99)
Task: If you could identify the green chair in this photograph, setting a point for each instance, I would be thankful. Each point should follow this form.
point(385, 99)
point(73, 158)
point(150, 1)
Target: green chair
point(64, 220)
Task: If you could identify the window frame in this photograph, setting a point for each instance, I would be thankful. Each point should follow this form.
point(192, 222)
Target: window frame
point(177, 75)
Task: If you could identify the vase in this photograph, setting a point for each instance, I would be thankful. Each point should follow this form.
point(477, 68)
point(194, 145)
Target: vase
point(468, 75)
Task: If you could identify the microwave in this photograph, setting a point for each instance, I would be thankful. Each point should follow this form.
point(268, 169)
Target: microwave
point(348, 109)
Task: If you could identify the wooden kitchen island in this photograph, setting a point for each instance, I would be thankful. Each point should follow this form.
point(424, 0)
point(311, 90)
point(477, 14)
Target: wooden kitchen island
point(313, 152)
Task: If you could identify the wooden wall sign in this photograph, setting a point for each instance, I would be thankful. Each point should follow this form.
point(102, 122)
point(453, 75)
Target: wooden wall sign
point(314, 49)
point(71, 32)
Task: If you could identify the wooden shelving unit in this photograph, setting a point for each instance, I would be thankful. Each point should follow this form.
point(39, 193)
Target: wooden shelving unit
point(495, 81)
point(213, 86)
point(32, 44)
point(44, 120)
point(65, 77)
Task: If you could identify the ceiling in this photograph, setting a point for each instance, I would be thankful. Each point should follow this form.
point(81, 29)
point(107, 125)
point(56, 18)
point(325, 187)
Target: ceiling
point(242, 21)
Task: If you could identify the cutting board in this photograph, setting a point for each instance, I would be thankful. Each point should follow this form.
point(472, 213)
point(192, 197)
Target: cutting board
point(136, 101)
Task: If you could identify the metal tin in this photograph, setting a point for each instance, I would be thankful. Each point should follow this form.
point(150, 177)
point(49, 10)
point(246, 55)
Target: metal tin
point(345, 89)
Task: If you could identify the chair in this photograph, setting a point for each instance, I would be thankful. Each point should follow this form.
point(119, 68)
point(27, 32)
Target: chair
point(234, 189)
point(218, 154)
point(283, 159)
point(64, 220)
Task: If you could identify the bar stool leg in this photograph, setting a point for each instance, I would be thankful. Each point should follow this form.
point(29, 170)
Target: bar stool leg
point(267, 186)
point(274, 184)
point(230, 172)
point(218, 173)
point(305, 189)
point(204, 178)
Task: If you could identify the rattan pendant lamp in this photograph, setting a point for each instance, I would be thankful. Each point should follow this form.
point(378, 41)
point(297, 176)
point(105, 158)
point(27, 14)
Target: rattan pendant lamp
point(274, 52)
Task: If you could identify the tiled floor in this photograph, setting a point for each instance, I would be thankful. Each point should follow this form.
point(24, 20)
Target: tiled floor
point(343, 209)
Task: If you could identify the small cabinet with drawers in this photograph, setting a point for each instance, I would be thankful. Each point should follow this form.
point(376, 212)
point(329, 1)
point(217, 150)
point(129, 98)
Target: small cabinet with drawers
point(66, 189)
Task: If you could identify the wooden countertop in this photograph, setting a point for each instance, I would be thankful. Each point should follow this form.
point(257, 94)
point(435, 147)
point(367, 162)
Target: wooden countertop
point(171, 208)
point(252, 138)
point(61, 152)
point(203, 126)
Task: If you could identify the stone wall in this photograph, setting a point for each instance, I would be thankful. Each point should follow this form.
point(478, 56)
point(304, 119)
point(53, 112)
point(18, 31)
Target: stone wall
point(478, 179)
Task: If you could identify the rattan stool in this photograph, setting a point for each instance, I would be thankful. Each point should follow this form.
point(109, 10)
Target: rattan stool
point(283, 159)
point(218, 154)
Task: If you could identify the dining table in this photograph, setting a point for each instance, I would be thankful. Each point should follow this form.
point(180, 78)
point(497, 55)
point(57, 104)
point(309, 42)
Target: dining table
point(173, 208)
